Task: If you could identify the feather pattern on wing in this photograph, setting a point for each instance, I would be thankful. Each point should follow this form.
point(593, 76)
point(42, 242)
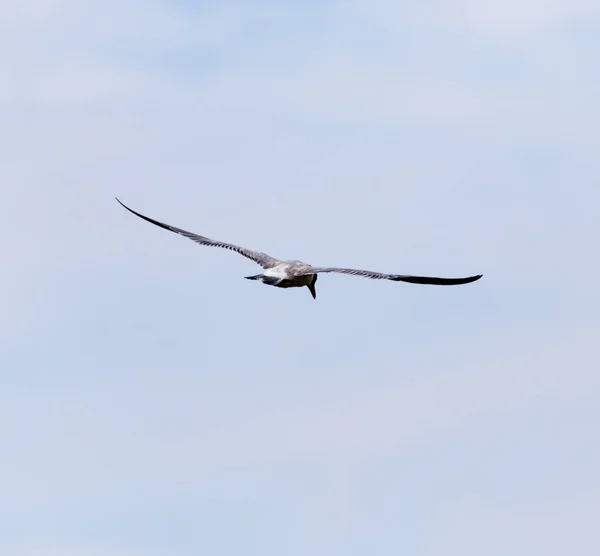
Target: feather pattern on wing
point(399, 277)
point(262, 259)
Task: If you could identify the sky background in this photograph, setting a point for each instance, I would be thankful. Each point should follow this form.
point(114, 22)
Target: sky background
point(155, 403)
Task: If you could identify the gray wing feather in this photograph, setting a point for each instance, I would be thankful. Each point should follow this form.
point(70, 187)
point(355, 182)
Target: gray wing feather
point(400, 277)
point(262, 259)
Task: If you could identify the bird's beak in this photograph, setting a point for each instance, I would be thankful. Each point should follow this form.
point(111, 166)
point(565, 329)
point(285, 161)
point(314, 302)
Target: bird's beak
point(313, 291)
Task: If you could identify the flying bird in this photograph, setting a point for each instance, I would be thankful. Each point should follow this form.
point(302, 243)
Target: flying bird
point(296, 274)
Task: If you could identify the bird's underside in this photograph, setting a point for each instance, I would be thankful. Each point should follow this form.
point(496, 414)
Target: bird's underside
point(296, 274)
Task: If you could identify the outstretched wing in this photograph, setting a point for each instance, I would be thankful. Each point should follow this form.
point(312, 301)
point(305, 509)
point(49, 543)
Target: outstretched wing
point(262, 259)
point(400, 277)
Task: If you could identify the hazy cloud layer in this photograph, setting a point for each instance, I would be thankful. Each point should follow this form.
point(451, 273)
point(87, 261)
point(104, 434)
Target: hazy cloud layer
point(154, 402)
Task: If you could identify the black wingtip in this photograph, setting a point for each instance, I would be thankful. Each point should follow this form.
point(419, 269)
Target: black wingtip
point(131, 210)
point(472, 278)
point(468, 280)
point(437, 281)
point(148, 219)
point(121, 203)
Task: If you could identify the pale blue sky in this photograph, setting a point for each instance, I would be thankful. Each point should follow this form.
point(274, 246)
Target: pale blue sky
point(153, 402)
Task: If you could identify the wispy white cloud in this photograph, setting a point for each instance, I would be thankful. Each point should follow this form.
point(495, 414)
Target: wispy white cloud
point(197, 436)
point(83, 549)
point(553, 529)
point(525, 20)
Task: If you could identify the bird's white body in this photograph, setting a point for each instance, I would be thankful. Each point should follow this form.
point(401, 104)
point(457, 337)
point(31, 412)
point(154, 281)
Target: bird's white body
point(279, 271)
point(285, 273)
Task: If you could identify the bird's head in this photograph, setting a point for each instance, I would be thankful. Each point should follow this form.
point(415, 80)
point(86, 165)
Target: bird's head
point(311, 286)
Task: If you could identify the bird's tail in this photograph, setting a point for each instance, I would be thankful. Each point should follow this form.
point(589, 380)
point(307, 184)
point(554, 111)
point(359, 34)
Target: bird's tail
point(269, 280)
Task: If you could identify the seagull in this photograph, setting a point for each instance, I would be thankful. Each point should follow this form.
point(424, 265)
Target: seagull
point(296, 274)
